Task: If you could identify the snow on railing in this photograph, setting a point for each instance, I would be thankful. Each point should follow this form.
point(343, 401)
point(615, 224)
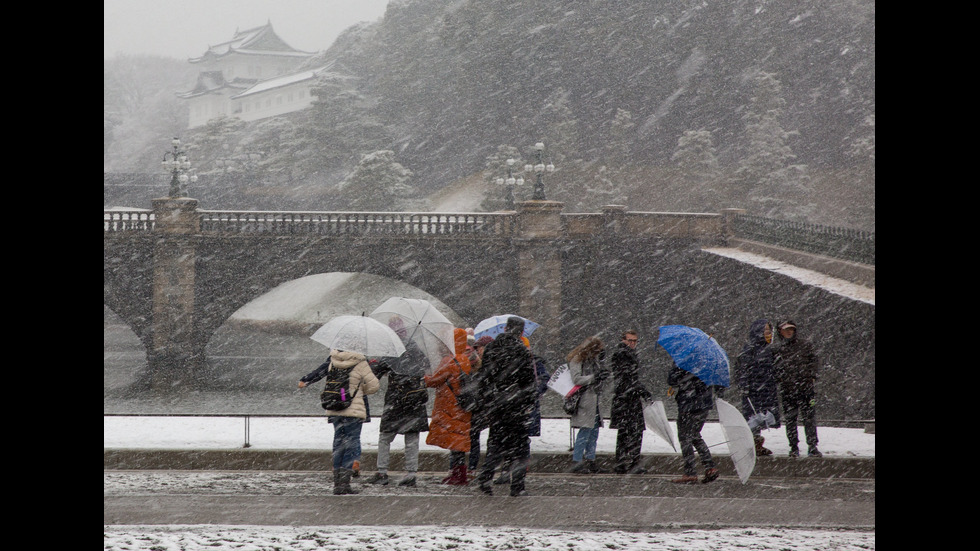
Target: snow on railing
point(355, 223)
point(128, 220)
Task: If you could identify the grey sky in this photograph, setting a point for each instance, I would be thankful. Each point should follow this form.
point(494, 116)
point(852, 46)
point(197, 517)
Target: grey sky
point(185, 28)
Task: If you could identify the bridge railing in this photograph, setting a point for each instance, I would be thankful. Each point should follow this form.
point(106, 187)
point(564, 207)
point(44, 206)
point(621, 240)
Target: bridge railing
point(356, 223)
point(134, 220)
point(842, 243)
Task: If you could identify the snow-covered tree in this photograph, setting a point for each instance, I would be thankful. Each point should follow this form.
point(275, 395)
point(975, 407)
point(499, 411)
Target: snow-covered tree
point(768, 182)
point(378, 183)
point(697, 165)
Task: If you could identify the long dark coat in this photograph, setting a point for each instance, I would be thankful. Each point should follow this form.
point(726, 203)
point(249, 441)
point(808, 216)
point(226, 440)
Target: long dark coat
point(755, 372)
point(406, 397)
point(691, 393)
point(628, 393)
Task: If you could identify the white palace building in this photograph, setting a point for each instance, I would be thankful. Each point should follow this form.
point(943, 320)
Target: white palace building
point(253, 76)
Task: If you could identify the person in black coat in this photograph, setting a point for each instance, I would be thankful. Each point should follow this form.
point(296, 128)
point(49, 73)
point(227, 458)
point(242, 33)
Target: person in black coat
point(404, 411)
point(629, 396)
point(509, 388)
point(796, 370)
point(755, 372)
point(694, 401)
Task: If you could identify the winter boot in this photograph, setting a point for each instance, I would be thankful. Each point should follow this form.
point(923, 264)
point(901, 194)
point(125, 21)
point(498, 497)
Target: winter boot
point(710, 475)
point(759, 449)
point(381, 479)
point(458, 477)
point(341, 482)
point(409, 480)
point(356, 469)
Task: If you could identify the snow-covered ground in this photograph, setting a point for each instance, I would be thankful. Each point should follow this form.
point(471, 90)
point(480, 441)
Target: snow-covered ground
point(431, 538)
point(316, 433)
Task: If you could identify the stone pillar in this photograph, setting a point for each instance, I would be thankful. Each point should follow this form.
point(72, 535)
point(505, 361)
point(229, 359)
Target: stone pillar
point(172, 359)
point(728, 223)
point(539, 271)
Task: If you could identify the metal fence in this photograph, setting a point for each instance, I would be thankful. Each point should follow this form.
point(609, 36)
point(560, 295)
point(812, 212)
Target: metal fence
point(842, 243)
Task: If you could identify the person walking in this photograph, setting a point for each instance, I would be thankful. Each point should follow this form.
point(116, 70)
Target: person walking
point(756, 376)
point(629, 396)
point(478, 417)
point(508, 384)
point(404, 409)
point(796, 371)
point(694, 401)
point(450, 425)
point(347, 422)
point(586, 364)
point(542, 376)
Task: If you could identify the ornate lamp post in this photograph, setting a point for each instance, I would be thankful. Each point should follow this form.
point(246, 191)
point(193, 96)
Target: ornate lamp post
point(510, 182)
point(177, 164)
point(539, 169)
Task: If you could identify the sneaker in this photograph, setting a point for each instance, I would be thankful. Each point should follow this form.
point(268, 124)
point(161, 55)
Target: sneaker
point(356, 468)
point(380, 479)
point(710, 475)
point(814, 452)
point(686, 479)
point(409, 481)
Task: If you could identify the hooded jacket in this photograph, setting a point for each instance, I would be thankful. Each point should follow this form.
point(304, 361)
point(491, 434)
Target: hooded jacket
point(362, 382)
point(450, 425)
point(756, 372)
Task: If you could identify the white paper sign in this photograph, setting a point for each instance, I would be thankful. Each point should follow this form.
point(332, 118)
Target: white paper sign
point(561, 381)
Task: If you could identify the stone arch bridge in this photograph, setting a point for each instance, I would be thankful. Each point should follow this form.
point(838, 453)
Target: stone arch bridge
point(175, 274)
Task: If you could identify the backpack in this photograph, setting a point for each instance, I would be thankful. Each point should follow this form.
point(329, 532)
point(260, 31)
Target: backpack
point(468, 394)
point(336, 394)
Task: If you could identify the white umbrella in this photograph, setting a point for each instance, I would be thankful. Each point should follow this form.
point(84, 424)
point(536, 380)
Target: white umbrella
point(655, 417)
point(738, 436)
point(424, 325)
point(360, 334)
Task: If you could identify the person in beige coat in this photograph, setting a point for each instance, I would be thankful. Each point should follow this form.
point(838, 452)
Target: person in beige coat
point(347, 422)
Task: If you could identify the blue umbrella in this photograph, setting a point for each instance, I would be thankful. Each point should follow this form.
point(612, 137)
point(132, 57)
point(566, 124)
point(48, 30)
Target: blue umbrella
point(695, 351)
point(495, 325)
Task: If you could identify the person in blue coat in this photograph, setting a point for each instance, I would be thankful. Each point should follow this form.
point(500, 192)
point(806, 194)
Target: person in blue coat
point(756, 376)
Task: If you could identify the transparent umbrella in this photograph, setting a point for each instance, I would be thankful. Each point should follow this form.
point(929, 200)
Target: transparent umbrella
point(738, 436)
point(655, 417)
point(423, 324)
point(360, 334)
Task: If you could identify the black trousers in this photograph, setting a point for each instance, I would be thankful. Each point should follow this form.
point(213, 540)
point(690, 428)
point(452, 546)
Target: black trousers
point(689, 425)
point(795, 408)
point(508, 442)
point(629, 440)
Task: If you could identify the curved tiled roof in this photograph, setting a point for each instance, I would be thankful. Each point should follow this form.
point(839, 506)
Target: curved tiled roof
point(257, 41)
